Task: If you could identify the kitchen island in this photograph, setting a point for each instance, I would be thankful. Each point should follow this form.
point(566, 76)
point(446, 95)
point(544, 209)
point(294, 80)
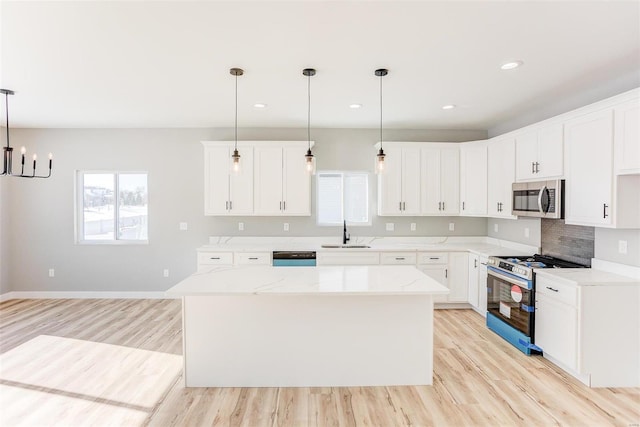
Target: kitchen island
point(262, 326)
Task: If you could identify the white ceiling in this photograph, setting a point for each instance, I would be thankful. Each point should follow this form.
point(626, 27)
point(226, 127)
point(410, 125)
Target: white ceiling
point(166, 64)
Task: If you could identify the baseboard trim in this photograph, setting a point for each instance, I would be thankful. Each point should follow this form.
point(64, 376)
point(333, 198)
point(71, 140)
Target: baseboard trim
point(83, 295)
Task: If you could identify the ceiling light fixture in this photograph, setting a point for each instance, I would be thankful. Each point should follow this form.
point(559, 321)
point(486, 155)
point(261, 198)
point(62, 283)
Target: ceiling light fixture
point(355, 106)
point(381, 72)
point(511, 65)
point(235, 157)
point(260, 105)
point(8, 150)
point(448, 107)
point(309, 158)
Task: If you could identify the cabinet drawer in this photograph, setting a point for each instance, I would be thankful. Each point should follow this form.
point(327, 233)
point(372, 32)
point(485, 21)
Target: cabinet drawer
point(433, 258)
point(398, 258)
point(215, 258)
point(350, 258)
point(558, 291)
point(253, 258)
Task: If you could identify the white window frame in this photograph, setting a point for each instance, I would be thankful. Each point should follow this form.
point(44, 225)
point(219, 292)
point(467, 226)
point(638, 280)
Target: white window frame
point(344, 174)
point(79, 208)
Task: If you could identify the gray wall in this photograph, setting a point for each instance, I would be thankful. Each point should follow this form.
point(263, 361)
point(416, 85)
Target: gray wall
point(606, 245)
point(40, 213)
point(4, 285)
point(514, 230)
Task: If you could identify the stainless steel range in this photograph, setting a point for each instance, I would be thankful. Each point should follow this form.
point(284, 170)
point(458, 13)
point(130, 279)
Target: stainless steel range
point(511, 297)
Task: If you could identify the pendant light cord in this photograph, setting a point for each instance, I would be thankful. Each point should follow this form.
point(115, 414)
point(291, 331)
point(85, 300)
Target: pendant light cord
point(381, 75)
point(6, 109)
point(309, 110)
point(236, 118)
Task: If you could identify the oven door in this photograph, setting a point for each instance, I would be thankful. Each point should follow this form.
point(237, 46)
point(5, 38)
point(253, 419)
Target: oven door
point(511, 299)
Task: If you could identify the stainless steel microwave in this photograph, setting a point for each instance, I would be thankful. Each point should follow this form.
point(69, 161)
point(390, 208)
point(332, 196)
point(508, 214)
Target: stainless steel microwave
point(542, 199)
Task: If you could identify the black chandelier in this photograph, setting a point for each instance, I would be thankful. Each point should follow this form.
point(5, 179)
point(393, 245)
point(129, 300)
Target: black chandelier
point(8, 150)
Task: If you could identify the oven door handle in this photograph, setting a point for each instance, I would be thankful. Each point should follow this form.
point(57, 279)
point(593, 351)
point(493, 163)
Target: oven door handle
point(524, 284)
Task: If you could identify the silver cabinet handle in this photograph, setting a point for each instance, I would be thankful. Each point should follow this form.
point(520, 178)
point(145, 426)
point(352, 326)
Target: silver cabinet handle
point(442, 205)
point(230, 205)
point(284, 205)
point(537, 167)
point(552, 289)
point(533, 167)
point(434, 257)
point(281, 205)
point(462, 205)
point(475, 263)
point(604, 211)
point(404, 206)
point(446, 273)
point(215, 257)
point(399, 206)
point(226, 205)
point(400, 258)
point(439, 206)
point(253, 257)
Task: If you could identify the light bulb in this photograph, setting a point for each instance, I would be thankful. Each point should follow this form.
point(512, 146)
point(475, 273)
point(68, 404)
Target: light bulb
point(380, 161)
point(50, 156)
point(23, 150)
point(35, 156)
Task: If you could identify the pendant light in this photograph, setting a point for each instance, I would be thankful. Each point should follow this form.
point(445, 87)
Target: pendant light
point(381, 72)
point(309, 158)
point(8, 149)
point(235, 157)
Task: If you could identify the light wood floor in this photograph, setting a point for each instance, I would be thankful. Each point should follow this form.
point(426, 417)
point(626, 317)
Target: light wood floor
point(118, 362)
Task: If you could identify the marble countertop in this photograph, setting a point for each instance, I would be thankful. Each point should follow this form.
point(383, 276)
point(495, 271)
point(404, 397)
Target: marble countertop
point(347, 280)
point(480, 246)
point(586, 277)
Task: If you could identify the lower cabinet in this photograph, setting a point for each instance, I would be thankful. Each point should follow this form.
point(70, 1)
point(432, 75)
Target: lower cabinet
point(348, 258)
point(449, 269)
point(478, 283)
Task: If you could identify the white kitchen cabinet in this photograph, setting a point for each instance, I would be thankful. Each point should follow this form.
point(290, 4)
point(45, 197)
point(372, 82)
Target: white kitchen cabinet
point(473, 178)
point(437, 272)
point(252, 258)
point(458, 277)
point(501, 175)
point(627, 138)
point(589, 169)
point(539, 153)
point(398, 258)
point(348, 257)
point(440, 174)
point(208, 260)
point(478, 283)
point(281, 184)
point(225, 192)
point(589, 326)
point(399, 184)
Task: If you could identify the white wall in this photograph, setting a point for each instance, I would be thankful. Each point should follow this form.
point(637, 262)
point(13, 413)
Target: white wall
point(607, 241)
point(42, 211)
point(514, 230)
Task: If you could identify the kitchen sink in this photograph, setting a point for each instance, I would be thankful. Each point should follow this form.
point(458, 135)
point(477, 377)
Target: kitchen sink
point(345, 246)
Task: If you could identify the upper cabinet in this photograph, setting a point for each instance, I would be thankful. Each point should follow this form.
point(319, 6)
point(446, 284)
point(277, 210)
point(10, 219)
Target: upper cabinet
point(225, 192)
point(539, 153)
point(272, 180)
point(627, 138)
point(501, 174)
point(440, 179)
point(589, 167)
point(399, 184)
point(281, 185)
point(473, 178)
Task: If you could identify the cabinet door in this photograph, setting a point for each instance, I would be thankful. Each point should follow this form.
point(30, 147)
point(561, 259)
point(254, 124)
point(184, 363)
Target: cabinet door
point(473, 191)
point(437, 272)
point(450, 180)
point(390, 183)
point(268, 180)
point(241, 184)
point(411, 181)
point(458, 277)
point(501, 174)
point(526, 155)
point(474, 269)
point(589, 169)
point(217, 164)
point(482, 286)
point(550, 152)
point(430, 164)
point(557, 330)
point(627, 138)
point(296, 182)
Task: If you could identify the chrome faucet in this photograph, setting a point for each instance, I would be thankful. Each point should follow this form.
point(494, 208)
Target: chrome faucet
point(345, 236)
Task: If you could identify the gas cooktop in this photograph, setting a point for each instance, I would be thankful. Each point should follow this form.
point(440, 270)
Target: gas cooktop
point(523, 266)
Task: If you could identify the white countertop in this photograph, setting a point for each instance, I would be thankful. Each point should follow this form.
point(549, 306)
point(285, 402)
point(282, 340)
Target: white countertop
point(479, 245)
point(586, 277)
point(348, 280)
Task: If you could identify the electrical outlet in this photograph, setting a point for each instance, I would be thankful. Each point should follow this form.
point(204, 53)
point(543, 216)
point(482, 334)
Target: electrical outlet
point(413, 226)
point(390, 226)
point(495, 228)
point(183, 226)
point(286, 226)
point(165, 273)
point(452, 226)
point(526, 232)
point(241, 226)
point(52, 272)
point(622, 246)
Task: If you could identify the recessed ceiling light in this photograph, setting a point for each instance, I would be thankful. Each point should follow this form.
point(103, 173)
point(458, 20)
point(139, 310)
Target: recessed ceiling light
point(260, 105)
point(511, 65)
point(355, 106)
point(448, 107)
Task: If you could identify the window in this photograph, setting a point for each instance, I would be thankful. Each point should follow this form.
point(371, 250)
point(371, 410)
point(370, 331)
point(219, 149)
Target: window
point(112, 207)
point(342, 196)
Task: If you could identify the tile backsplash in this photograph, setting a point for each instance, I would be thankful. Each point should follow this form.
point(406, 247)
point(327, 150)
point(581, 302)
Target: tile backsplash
point(570, 242)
